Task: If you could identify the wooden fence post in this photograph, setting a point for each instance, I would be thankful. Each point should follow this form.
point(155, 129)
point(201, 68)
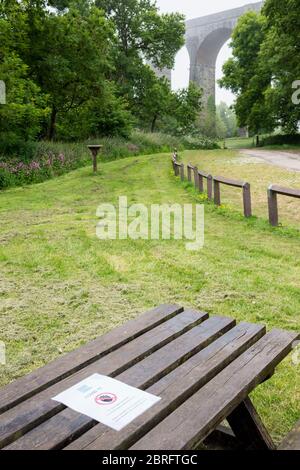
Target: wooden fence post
point(247, 200)
point(196, 178)
point(210, 187)
point(182, 172)
point(217, 194)
point(189, 173)
point(273, 207)
point(200, 183)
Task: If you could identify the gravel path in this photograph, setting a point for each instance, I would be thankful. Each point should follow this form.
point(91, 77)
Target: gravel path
point(287, 160)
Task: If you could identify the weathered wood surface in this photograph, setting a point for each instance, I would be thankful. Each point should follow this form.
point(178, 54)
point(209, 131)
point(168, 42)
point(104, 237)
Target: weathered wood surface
point(229, 181)
point(285, 191)
point(141, 375)
point(31, 412)
point(292, 440)
point(185, 427)
point(202, 368)
point(70, 363)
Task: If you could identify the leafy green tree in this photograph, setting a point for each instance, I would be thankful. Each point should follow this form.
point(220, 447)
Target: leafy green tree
point(281, 52)
point(153, 99)
point(207, 119)
point(226, 121)
point(143, 32)
point(69, 56)
point(143, 35)
point(187, 106)
point(22, 117)
point(107, 115)
point(246, 76)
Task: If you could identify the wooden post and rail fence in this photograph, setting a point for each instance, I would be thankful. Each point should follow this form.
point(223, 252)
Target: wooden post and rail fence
point(214, 189)
point(218, 180)
point(273, 191)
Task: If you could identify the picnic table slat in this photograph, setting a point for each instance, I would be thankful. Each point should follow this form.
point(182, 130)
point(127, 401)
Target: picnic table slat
point(32, 412)
point(175, 387)
point(38, 380)
point(184, 428)
point(61, 428)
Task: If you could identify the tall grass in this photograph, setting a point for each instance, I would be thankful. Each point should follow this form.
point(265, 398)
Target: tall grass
point(52, 159)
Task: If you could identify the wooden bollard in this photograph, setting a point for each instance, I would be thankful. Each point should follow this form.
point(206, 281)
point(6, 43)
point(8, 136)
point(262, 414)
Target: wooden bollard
point(94, 151)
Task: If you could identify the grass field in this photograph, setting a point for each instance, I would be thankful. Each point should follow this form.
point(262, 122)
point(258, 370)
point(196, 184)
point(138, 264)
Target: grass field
point(60, 286)
point(256, 172)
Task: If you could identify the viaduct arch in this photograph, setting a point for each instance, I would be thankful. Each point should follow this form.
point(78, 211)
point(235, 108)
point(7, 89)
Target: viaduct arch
point(205, 36)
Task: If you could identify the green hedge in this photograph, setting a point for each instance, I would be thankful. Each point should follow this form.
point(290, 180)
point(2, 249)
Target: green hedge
point(281, 139)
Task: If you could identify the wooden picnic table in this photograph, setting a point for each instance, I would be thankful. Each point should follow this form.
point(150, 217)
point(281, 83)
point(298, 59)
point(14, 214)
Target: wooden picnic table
point(202, 367)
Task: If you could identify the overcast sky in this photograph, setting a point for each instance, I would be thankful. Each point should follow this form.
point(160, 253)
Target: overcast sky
point(193, 9)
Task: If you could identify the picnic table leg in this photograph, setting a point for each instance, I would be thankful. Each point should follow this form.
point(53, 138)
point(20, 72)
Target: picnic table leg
point(249, 428)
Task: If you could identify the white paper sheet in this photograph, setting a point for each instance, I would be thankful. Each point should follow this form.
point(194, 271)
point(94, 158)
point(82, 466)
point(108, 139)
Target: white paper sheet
point(107, 400)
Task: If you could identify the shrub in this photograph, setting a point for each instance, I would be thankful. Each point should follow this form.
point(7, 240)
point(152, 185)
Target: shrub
point(281, 139)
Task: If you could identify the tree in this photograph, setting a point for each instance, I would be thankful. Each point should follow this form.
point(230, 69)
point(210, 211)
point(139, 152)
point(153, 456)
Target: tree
point(226, 121)
point(70, 62)
point(246, 75)
point(143, 36)
point(187, 106)
point(22, 117)
point(152, 98)
point(281, 51)
point(207, 119)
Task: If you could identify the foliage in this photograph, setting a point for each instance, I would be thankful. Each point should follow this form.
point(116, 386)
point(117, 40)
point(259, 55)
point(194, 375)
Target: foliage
point(68, 77)
point(246, 76)
point(22, 117)
point(281, 51)
point(187, 106)
point(226, 121)
point(207, 119)
point(281, 139)
point(144, 39)
point(83, 69)
point(265, 63)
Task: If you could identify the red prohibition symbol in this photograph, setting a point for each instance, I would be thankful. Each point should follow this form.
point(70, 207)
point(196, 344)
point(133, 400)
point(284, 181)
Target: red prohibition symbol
point(106, 398)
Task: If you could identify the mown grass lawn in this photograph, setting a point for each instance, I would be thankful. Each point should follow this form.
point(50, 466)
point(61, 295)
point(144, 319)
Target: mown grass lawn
point(60, 286)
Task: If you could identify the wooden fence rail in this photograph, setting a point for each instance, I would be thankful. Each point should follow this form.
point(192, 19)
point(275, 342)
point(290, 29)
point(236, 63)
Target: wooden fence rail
point(214, 183)
point(179, 170)
point(273, 191)
point(218, 180)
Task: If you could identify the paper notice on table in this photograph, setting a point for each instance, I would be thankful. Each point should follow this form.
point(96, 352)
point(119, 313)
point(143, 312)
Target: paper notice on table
point(107, 400)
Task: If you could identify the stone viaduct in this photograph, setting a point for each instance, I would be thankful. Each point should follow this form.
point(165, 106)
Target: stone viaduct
point(205, 37)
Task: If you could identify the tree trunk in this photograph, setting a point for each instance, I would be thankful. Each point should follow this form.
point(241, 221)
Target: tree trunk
point(51, 130)
point(153, 124)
